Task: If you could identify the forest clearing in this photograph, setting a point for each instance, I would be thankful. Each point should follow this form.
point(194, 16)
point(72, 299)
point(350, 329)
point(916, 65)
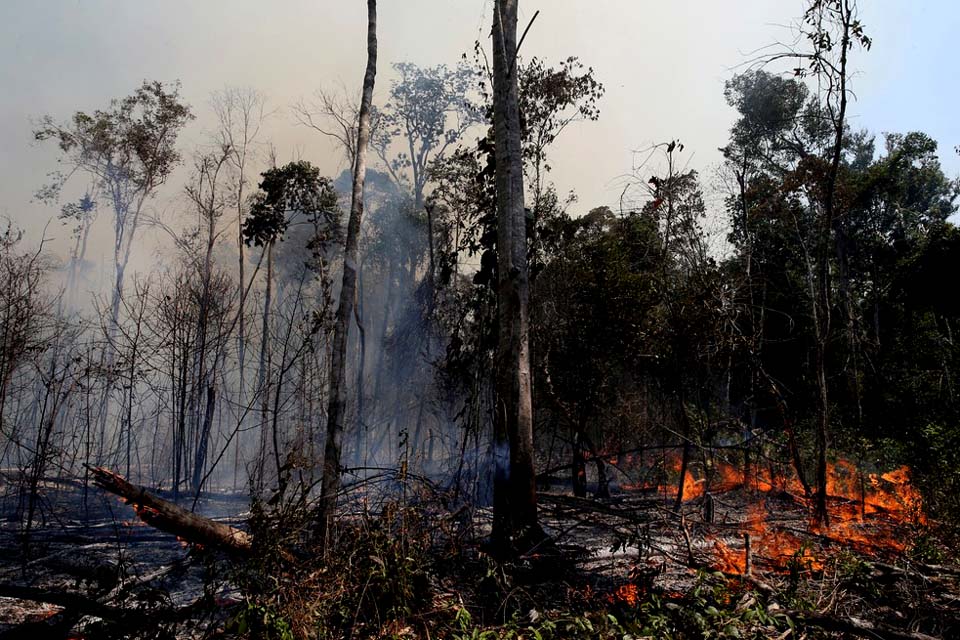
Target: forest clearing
point(360, 363)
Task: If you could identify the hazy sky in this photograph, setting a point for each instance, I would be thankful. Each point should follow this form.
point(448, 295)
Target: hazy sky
point(663, 63)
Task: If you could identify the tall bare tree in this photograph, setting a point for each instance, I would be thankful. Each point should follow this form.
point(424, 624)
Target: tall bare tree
point(833, 29)
point(336, 408)
point(240, 112)
point(515, 493)
point(335, 114)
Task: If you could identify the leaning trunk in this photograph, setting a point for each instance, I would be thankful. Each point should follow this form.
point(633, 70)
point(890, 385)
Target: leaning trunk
point(171, 518)
point(336, 408)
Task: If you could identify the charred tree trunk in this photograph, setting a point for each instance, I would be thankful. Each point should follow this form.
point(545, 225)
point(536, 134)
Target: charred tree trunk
point(200, 461)
point(167, 516)
point(264, 367)
point(359, 317)
point(579, 466)
point(336, 408)
point(515, 492)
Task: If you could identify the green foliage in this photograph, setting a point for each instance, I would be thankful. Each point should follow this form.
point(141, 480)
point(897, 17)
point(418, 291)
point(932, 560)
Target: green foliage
point(428, 112)
point(890, 348)
point(258, 621)
point(550, 100)
point(295, 190)
point(375, 571)
point(938, 457)
point(714, 608)
point(586, 626)
point(131, 143)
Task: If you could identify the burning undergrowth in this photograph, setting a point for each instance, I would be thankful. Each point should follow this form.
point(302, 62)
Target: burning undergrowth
point(872, 569)
point(762, 517)
point(407, 559)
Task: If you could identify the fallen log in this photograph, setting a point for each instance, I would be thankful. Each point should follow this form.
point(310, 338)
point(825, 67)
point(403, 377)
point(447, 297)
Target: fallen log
point(67, 600)
point(852, 626)
point(171, 518)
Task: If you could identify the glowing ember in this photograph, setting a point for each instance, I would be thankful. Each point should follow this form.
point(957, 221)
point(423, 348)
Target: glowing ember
point(628, 593)
point(728, 560)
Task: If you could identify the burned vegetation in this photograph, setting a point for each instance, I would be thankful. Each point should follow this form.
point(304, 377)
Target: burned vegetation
point(433, 398)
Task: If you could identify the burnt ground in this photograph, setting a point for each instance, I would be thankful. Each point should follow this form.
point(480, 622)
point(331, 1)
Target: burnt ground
point(615, 551)
point(883, 573)
point(90, 543)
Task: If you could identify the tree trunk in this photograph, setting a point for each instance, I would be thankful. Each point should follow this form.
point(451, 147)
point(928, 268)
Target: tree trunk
point(515, 493)
point(263, 373)
point(167, 516)
point(330, 484)
point(822, 315)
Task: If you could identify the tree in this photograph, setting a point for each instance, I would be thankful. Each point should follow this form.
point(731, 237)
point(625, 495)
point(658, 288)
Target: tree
point(833, 29)
point(207, 196)
point(465, 218)
point(295, 190)
point(240, 113)
point(337, 402)
point(550, 100)
point(82, 214)
point(128, 151)
point(812, 172)
point(515, 491)
point(23, 312)
point(429, 111)
point(332, 113)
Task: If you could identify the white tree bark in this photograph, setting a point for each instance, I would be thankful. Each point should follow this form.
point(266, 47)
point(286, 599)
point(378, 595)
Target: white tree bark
point(515, 496)
point(336, 408)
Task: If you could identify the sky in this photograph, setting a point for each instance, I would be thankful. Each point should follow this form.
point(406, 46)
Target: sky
point(664, 65)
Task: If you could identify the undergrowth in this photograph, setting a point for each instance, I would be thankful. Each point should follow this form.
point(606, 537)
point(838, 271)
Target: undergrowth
point(375, 570)
point(406, 569)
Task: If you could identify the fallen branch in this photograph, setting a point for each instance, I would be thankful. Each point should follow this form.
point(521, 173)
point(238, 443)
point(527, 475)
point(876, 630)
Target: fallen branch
point(171, 518)
point(854, 627)
point(66, 600)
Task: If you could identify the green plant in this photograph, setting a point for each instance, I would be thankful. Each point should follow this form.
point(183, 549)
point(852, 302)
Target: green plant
point(258, 621)
point(927, 548)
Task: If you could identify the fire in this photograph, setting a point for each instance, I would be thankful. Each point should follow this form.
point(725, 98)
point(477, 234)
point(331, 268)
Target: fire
point(904, 499)
point(628, 593)
point(728, 560)
point(864, 510)
point(867, 511)
point(772, 545)
point(691, 488)
point(890, 494)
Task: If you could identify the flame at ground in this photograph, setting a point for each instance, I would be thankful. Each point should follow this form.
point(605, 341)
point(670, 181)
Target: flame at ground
point(776, 547)
point(628, 593)
point(867, 511)
point(727, 559)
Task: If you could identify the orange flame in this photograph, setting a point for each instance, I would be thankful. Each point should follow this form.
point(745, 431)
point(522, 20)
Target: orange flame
point(888, 499)
point(628, 593)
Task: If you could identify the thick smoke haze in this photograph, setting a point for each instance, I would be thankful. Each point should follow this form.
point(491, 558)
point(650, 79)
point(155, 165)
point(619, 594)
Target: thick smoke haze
point(479, 318)
point(663, 64)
